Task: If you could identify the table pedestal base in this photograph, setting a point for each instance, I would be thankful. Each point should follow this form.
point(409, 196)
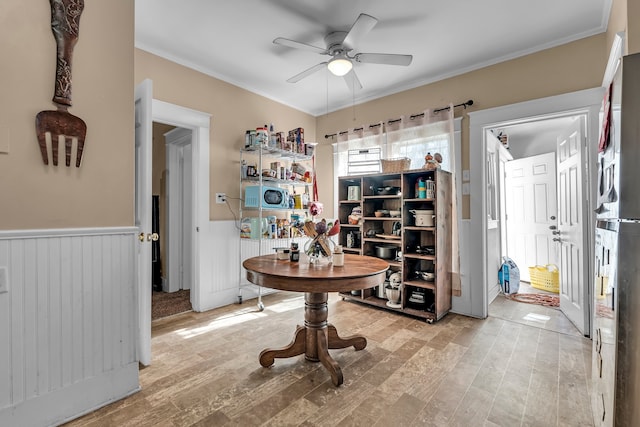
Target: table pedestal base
point(315, 338)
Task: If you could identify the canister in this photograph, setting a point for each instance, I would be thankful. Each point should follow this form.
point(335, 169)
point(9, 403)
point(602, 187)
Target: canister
point(282, 253)
point(353, 192)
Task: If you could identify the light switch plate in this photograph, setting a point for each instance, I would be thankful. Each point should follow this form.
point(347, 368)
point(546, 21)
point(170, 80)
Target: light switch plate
point(4, 280)
point(465, 189)
point(465, 175)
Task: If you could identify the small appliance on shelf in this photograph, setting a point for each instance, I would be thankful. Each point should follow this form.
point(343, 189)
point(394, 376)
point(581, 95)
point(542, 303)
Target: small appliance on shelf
point(256, 196)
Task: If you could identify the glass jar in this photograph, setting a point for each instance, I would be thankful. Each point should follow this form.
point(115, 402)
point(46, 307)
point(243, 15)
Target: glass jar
point(262, 137)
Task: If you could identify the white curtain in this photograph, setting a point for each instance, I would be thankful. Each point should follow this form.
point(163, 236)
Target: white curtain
point(429, 133)
point(416, 136)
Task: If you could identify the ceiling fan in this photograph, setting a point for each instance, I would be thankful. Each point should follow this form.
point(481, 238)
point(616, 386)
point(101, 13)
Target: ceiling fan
point(340, 46)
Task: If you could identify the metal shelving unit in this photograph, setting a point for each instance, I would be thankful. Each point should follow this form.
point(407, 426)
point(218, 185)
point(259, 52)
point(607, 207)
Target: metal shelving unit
point(261, 246)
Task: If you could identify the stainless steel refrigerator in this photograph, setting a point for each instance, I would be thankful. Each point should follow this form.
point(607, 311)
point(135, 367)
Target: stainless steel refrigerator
point(616, 339)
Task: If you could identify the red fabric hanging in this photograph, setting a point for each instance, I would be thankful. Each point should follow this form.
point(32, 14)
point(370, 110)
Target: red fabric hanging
point(315, 177)
point(605, 136)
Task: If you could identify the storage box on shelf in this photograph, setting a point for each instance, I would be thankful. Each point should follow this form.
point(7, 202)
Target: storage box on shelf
point(420, 252)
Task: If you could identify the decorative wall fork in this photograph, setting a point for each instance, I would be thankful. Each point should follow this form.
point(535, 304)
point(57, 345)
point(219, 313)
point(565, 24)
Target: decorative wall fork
point(65, 24)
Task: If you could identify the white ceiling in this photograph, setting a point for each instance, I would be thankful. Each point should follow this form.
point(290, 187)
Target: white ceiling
point(233, 40)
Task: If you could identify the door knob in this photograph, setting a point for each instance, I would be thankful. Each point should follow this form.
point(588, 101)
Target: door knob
point(555, 233)
point(556, 239)
point(552, 227)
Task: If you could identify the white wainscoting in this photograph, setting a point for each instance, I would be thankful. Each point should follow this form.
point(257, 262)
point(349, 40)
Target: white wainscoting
point(68, 324)
point(462, 304)
point(225, 278)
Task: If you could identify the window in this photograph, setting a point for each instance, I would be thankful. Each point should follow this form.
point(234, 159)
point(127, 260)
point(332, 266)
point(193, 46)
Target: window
point(358, 154)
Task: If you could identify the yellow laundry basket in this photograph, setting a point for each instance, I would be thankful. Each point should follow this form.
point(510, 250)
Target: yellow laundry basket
point(546, 278)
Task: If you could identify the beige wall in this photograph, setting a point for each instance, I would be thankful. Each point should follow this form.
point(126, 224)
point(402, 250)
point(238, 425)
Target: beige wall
point(567, 68)
point(100, 192)
point(617, 21)
point(233, 111)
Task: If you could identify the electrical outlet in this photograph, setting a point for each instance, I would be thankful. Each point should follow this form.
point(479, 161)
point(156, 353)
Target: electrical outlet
point(4, 280)
point(465, 175)
point(221, 198)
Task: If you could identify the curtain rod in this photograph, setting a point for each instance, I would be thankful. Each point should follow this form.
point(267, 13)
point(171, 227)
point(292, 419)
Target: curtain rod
point(413, 116)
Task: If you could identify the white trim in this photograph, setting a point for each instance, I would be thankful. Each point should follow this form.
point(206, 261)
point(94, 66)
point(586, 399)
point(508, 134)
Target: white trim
point(582, 102)
point(177, 115)
point(65, 232)
point(71, 402)
point(615, 55)
point(199, 123)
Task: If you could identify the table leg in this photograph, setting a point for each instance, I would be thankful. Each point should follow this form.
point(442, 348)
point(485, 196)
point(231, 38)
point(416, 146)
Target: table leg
point(296, 347)
point(315, 338)
point(357, 341)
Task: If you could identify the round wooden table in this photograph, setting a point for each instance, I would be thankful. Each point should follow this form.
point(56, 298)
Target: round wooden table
point(317, 336)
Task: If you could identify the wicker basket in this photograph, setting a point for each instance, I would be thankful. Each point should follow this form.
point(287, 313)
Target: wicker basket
point(546, 278)
point(395, 165)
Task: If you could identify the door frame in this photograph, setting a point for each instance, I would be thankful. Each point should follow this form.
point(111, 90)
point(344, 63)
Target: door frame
point(199, 124)
point(586, 102)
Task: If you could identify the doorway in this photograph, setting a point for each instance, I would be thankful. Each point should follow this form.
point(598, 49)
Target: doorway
point(148, 110)
point(173, 190)
point(527, 218)
point(585, 103)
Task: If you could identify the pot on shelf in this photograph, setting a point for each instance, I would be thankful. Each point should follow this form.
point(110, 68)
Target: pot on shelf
point(386, 191)
point(386, 251)
point(424, 218)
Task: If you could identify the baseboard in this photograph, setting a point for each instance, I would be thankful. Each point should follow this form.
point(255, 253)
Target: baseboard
point(65, 404)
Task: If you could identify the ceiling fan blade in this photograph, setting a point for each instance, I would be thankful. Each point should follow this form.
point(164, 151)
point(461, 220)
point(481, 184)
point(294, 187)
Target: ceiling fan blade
point(299, 45)
point(306, 73)
point(384, 58)
point(360, 28)
point(352, 81)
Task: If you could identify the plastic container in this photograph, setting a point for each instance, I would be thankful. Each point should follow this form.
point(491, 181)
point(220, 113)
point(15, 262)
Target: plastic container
point(262, 137)
point(338, 257)
point(546, 278)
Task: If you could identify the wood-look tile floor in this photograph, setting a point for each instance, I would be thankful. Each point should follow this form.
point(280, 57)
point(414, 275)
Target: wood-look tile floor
point(549, 318)
point(457, 372)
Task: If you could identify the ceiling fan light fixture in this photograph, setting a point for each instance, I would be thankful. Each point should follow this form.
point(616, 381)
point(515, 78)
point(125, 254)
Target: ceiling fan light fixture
point(340, 65)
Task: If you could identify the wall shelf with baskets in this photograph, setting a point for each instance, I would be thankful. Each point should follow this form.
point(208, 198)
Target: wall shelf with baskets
point(393, 225)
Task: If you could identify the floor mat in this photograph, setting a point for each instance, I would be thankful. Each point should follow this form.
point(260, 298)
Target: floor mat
point(540, 299)
point(165, 304)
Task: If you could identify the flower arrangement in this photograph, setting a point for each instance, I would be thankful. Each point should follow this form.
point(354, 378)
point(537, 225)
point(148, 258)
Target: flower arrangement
point(319, 233)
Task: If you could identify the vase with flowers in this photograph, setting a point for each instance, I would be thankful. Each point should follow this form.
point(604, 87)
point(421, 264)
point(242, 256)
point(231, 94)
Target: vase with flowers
point(319, 247)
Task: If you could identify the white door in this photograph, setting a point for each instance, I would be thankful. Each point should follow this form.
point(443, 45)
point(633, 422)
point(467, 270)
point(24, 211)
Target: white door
point(531, 211)
point(143, 135)
point(572, 224)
